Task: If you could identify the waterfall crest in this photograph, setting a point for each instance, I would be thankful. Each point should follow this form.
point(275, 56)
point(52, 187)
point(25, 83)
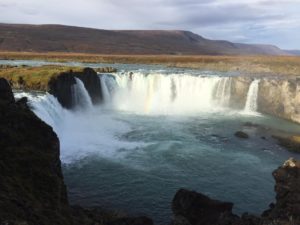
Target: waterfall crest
point(166, 94)
point(251, 102)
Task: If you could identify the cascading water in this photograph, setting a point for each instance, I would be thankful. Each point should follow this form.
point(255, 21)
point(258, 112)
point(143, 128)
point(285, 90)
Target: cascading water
point(46, 107)
point(166, 94)
point(251, 102)
point(80, 97)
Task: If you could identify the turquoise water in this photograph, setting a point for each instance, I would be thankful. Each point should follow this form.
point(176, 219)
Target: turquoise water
point(198, 152)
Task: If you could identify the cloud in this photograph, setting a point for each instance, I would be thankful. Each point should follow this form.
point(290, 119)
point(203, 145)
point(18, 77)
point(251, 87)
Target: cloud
point(253, 21)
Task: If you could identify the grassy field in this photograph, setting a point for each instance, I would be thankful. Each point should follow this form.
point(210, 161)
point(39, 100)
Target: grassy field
point(273, 65)
point(33, 78)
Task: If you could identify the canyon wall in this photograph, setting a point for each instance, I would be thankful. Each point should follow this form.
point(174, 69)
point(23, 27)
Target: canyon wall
point(280, 98)
point(276, 96)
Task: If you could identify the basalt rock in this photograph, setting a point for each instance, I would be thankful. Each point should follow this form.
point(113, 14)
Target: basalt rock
point(32, 190)
point(286, 210)
point(6, 95)
point(197, 209)
point(61, 88)
point(62, 85)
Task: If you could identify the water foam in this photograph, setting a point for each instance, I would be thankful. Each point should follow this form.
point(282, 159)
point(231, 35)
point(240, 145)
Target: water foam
point(158, 93)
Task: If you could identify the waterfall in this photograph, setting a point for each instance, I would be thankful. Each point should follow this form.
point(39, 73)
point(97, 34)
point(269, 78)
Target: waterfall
point(46, 107)
point(223, 91)
point(251, 102)
point(108, 85)
point(80, 97)
point(165, 93)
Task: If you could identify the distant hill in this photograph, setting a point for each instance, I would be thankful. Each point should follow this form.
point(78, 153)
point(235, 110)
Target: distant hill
point(293, 52)
point(59, 38)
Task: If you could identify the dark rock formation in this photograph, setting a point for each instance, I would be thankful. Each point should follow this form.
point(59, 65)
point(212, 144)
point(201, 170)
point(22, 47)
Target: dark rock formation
point(191, 208)
point(194, 208)
point(32, 189)
point(241, 134)
point(92, 84)
point(6, 94)
point(61, 86)
point(31, 181)
point(286, 210)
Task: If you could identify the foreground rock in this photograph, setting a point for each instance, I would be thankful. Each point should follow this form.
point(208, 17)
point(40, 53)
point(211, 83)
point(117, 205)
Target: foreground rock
point(286, 210)
point(61, 86)
point(195, 208)
point(191, 208)
point(32, 189)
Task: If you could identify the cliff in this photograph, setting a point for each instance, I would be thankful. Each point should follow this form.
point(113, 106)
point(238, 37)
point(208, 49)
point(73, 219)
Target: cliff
point(280, 97)
point(32, 190)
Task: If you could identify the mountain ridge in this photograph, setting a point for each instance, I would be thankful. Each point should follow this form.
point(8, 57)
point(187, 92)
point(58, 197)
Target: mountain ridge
point(62, 38)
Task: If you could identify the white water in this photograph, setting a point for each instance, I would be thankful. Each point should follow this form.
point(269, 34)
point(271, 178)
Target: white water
point(251, 102)
point(80, 96)
point(166, 94)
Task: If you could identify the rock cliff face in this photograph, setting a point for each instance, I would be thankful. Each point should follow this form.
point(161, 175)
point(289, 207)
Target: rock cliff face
point(280, 98)
point(31, 182)
point(276, 97)
point(239, 90)
point(61, 86)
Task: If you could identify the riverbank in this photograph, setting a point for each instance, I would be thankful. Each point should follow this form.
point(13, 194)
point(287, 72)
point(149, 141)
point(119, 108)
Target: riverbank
point(249, 65)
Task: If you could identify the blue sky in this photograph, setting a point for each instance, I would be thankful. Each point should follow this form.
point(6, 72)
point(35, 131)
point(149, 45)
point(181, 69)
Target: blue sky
point(249, 21)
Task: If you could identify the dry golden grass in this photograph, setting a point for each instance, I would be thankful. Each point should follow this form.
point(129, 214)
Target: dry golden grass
point(37, 78)
point(33, 78)
point(278, 65)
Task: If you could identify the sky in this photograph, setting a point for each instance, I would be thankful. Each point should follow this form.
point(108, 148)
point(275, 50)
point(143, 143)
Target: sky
point(248, 21)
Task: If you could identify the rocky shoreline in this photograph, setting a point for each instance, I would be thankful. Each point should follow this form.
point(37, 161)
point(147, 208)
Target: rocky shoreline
point(33, 192)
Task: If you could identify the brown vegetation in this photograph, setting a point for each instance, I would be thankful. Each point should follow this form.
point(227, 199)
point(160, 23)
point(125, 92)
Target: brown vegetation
point(278, 65)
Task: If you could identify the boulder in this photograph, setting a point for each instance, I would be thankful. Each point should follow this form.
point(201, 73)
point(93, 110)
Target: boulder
point(241, 134)
point(197, 209)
